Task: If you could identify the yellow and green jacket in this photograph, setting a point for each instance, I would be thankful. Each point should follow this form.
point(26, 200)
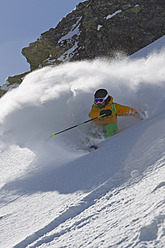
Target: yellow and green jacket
point(117, 110)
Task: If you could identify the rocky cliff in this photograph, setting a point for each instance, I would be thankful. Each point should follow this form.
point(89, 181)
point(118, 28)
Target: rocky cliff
point(97, 28)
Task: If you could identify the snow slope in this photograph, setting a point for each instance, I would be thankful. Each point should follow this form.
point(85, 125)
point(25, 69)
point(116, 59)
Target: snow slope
point(54, 193)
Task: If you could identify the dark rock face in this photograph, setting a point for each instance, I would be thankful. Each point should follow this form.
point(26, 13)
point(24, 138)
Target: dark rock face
point(99, 28)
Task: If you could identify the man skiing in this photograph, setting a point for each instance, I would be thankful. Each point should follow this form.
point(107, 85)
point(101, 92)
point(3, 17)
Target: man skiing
point(104, 105)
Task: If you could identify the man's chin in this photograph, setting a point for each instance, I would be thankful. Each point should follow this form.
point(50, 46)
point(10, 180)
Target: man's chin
point(101, 105)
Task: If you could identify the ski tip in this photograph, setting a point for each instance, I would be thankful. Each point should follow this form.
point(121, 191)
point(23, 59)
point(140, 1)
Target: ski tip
point(53, 135)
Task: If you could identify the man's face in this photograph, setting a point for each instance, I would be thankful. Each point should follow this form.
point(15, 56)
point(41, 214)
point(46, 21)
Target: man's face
point(101, 104)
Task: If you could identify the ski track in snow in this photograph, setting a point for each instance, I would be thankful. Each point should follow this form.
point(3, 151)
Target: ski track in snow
point(102, 201)
point(53, 192)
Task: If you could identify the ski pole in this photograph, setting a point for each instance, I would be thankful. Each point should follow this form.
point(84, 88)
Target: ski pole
point(54, 134)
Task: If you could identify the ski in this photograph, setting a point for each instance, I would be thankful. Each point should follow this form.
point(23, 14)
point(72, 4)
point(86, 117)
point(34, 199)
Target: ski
point(93, 147)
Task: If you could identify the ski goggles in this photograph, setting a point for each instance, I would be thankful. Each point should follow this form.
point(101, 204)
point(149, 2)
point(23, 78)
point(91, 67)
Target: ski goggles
point(100, 100)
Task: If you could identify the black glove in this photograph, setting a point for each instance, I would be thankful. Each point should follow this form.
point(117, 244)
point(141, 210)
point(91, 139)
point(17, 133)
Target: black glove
point(107, 112)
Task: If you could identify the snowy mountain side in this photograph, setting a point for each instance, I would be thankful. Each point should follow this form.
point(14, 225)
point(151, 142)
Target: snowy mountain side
point(53, 192)
point(98, 28)
point(95, 28)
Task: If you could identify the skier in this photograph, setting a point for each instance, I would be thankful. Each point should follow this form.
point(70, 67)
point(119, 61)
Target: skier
point(104, 105)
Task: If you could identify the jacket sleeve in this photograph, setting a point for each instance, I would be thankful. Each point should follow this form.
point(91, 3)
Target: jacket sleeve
point(95, 113)
point(125, 110)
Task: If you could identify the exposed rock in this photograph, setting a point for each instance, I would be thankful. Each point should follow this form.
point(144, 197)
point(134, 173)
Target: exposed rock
point(98, 28)
point(2, 92)
point(16, 78)
point(12, 82)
